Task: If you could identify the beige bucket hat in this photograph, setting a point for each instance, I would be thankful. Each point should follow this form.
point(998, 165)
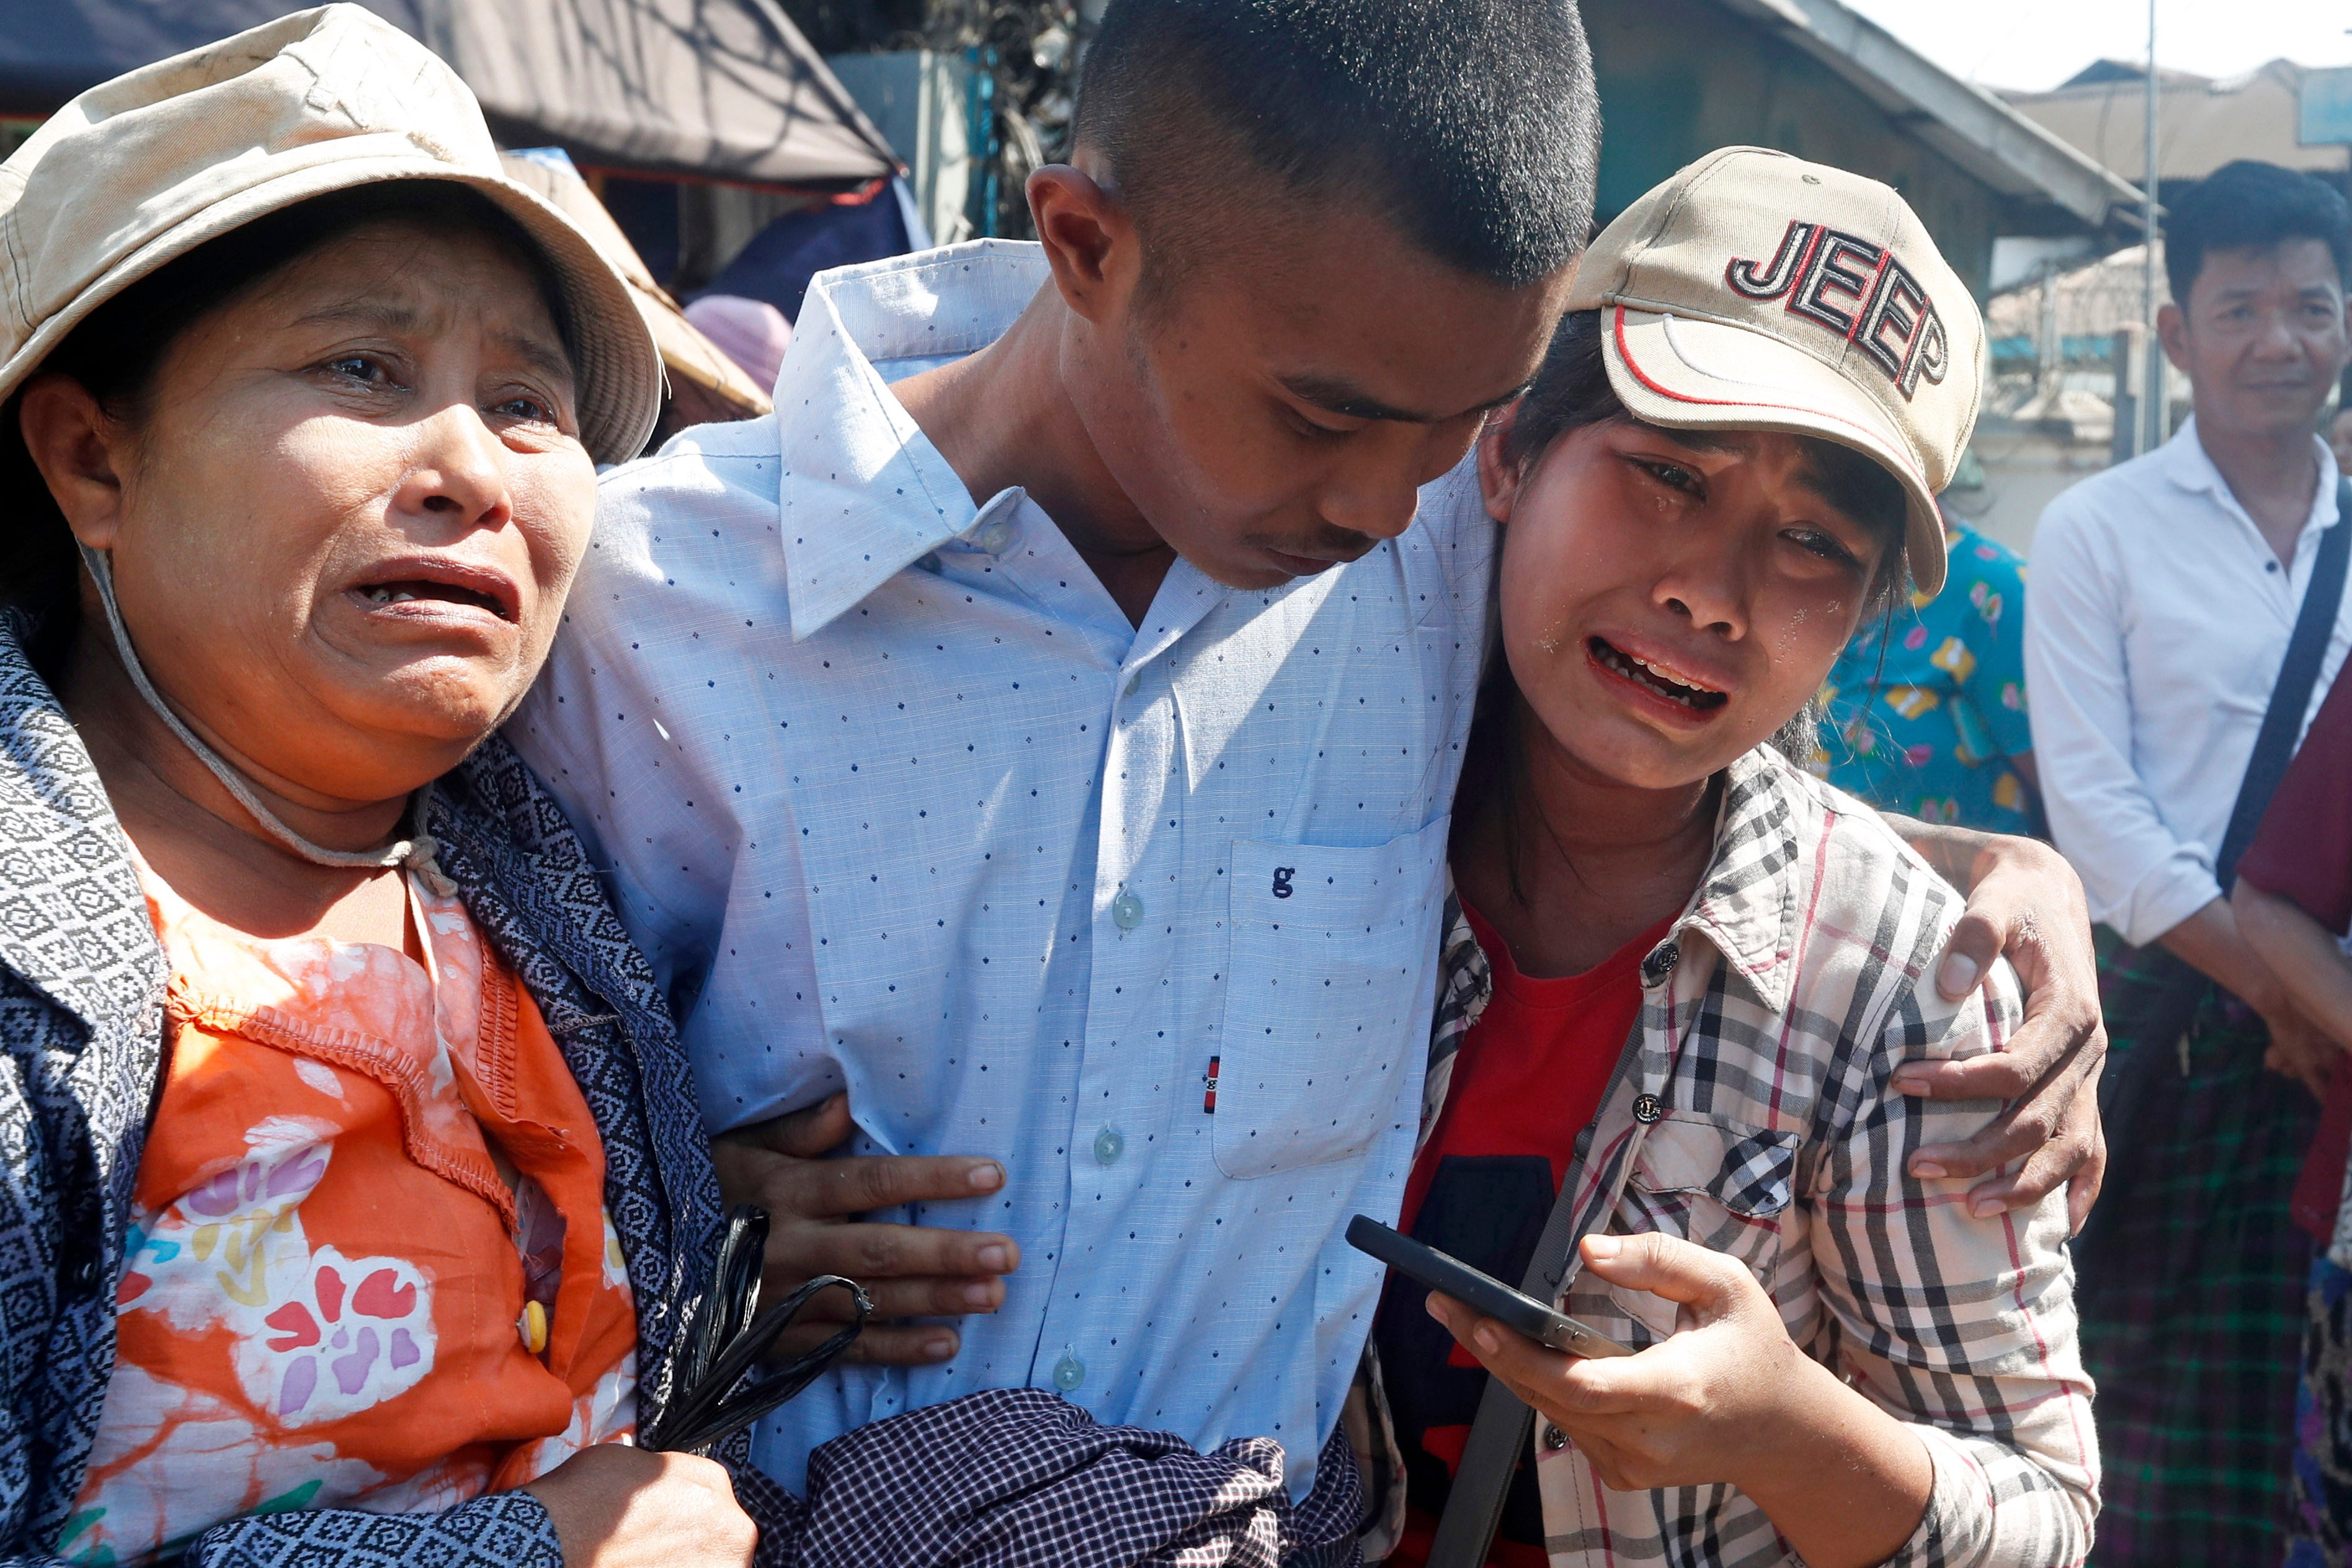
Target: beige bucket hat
point(145, 168)
point(1755, 290)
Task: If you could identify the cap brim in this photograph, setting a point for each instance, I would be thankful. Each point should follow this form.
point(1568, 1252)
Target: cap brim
point(619, 379)
point(1695, 375)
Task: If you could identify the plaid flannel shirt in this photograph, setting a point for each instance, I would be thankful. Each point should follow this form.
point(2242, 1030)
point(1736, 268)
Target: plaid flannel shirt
point(1752, 1114)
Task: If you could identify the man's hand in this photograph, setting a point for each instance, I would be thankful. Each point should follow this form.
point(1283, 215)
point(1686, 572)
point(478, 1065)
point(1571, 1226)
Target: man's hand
point(617, 1506)
point(909, 1270)
point(2299, 1048)
point(2025, 903)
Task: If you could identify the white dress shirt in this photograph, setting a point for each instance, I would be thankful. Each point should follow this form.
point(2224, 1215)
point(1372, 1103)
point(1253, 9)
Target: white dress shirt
point(895, 797)
point(2155, 626)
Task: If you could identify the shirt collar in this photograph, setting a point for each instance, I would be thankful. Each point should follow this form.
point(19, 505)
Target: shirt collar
point(862, 491)
point(1747, 902)
point(2189, 465)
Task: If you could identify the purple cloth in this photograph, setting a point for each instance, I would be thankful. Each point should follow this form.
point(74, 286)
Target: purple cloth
point(1019, 1477)
point(751, 333)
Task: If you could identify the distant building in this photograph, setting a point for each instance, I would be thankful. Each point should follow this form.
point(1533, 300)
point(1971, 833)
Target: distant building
point(1813, 77)
point(2202, 122)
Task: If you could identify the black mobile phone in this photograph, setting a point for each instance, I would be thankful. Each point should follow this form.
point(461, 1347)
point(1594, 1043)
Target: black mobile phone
point(1481, 1292)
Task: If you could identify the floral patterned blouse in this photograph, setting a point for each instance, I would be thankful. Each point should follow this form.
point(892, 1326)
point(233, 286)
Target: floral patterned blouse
point(369, 1265)
point(1925, 711)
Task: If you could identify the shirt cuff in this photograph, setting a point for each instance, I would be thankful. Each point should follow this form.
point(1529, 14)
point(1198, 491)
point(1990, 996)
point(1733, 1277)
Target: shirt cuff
point(1957, 1502)
point(2164, 898)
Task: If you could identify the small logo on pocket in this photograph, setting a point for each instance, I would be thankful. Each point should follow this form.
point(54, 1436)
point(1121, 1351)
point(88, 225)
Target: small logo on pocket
point(1209, 1100)
point(1282, 874)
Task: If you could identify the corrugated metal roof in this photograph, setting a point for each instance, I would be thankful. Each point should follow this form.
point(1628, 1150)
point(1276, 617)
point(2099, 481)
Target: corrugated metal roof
point(1976, 130)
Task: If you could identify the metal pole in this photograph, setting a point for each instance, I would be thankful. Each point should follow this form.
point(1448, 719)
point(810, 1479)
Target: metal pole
point(2152, 400)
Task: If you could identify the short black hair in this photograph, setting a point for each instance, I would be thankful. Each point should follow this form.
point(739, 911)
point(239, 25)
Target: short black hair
point(2252, 205)
point(1473, 125)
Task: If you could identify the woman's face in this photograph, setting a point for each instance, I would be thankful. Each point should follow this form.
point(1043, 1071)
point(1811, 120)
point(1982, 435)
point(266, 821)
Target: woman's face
point(1671, 598)
point(346, 521)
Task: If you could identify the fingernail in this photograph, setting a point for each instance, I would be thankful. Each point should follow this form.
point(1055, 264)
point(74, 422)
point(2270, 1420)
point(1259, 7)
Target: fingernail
point(939, 1349)
point(986, 1177)
point(1986, 1208)
point(1488, 1339)
point(996, 1258)
point(978, 1295)
point(1909, 1082)
point(1960, 972)
point(1599, 1247)
point(1926, 1170)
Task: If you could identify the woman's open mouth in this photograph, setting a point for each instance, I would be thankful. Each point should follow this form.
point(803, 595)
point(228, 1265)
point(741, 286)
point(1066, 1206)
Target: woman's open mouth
point(433, 585)
point(447, 593)
point(1655, 680)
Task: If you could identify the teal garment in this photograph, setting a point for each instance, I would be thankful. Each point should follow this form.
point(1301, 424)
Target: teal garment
point(1926, 707)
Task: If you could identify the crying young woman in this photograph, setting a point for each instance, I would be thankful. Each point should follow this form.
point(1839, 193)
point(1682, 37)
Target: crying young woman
point(1681, 975)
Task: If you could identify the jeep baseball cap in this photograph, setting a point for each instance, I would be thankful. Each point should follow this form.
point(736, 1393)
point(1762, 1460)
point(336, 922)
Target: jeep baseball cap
point(1758, 291)
point(140, 171)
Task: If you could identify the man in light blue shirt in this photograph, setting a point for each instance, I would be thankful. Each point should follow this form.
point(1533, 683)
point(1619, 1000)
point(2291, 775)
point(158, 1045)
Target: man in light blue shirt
point(1043, 725)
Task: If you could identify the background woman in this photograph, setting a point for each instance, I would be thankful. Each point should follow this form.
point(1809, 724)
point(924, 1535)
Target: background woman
point(352, 1190)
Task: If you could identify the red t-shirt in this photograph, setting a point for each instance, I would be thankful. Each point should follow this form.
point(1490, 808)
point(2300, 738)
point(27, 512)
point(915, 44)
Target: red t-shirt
point(1529, 1077)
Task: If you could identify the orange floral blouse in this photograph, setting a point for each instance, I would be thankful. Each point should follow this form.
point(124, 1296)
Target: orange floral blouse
point(369, 1265)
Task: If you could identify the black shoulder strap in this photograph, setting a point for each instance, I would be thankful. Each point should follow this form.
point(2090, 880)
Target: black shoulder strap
point(2274, 744)
point(1501, 1432)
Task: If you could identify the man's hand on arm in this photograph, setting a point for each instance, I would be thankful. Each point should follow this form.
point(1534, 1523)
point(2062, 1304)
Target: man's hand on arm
point(2210, 941)
point(910, 1270)
point(2026, 904)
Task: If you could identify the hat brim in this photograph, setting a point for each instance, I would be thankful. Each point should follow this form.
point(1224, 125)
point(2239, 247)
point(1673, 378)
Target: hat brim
point(618, 381)
point(1692, 374)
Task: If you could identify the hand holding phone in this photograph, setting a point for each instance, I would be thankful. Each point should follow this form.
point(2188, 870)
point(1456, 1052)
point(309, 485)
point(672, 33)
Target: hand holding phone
point(1479, 1292)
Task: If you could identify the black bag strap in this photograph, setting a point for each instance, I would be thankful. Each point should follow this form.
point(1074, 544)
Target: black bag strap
point(2157, 1017)
point(1501, 1432)
point(2274, 744)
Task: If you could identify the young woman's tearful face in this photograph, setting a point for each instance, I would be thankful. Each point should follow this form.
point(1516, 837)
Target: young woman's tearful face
point(1671, 598)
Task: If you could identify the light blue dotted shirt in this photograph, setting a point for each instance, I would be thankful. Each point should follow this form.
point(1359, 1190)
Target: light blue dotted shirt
point(894, 796)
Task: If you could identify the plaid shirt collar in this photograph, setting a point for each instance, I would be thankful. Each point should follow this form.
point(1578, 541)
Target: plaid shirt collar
point(1747, 903)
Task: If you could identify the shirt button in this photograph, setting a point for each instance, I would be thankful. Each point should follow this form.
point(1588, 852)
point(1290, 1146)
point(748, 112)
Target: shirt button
point(1660, 961)
point(1554, 1438)
point(531, 1328)
point(1128, 911)
point(1648, 1107)
point(1068, 1372)
point(994, 537)
point(1108, 1146)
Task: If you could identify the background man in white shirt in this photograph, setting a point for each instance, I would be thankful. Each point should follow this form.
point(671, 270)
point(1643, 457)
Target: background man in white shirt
point(2164, 593)
point(1045, 725)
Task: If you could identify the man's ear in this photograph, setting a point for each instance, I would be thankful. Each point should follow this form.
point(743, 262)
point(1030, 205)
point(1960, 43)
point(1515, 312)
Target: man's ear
point(80, 453)
point(1088, 236)
point(2172, 331)
point(1498, 477)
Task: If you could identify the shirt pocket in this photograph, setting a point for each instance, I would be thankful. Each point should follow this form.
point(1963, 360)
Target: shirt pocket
point(1722, 1184)
point(1325, 1008)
